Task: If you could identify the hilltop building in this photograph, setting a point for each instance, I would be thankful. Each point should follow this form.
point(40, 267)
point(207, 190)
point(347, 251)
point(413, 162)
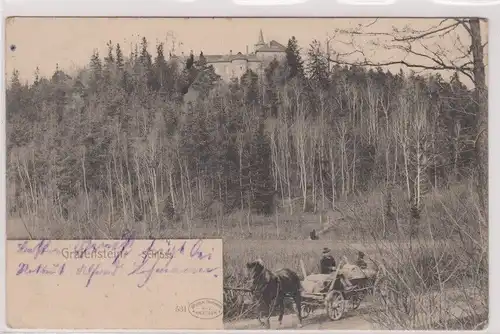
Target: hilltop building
point(234, 65)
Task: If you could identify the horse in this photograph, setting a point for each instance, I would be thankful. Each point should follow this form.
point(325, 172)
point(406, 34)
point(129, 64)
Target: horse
point(269, 290)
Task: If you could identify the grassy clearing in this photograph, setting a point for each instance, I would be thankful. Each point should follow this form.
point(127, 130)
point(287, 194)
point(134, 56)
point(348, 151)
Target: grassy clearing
point(231, 226)
point(361, 218)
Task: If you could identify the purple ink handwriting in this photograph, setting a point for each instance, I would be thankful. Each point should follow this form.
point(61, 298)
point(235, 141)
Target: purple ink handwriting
point(157, 258)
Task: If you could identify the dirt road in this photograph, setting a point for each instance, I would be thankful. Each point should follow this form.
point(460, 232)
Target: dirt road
point(354, 320)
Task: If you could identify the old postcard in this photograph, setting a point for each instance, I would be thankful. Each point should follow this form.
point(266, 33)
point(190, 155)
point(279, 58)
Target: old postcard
point(114, 284)
point(342, 161)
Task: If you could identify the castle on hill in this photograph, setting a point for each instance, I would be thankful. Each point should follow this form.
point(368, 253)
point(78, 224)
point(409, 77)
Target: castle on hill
point(235, 65)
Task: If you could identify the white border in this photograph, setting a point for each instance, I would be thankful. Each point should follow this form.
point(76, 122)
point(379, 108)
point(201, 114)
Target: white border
point(279, 8)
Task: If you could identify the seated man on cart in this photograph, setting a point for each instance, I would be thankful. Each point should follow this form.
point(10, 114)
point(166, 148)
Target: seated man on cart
point(327, 266)
point(360, 262)
point(327, 262)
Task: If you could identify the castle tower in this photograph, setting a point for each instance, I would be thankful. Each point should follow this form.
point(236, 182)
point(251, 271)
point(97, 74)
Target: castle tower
point(260, 42)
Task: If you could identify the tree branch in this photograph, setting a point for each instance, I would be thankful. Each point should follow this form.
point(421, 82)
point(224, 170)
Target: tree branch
point(426, 34)
point(439, 59)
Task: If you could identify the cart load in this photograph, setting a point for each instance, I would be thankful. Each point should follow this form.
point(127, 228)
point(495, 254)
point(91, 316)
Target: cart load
point(354, 272)
point(315, 283)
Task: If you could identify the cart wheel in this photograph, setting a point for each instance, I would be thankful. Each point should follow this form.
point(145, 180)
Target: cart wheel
point(358, 296)
point(305, 310)
point(356, 299)
point(335, 305)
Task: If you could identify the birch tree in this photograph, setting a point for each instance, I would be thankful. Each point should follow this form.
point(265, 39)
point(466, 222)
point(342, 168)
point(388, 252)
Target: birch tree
point(424, 50)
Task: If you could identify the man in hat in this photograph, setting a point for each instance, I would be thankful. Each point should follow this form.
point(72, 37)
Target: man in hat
point(360, 262)
point(327, 262)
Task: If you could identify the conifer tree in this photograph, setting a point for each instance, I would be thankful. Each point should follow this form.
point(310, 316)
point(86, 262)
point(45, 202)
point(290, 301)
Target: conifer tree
point(145, 56)
point(109, 59)
point(160, 68)
point(15, 83)
point(36, 81)
point(317, 65)
point(119, 57)
point(109, 62)
point(295, 66)
point(205, 76)
point(96, 71)
point(190, 61)
point(250, 84)
point(273, 79)
point(14, 95)
point(202, 61)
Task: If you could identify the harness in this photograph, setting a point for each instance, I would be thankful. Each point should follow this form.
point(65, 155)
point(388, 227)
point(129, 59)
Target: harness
point(278, 286)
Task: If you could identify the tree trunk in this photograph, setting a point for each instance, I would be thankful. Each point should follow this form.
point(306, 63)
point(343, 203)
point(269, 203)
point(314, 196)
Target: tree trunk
point(481, 144)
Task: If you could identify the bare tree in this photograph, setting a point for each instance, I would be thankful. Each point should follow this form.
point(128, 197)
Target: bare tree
point(424, 50)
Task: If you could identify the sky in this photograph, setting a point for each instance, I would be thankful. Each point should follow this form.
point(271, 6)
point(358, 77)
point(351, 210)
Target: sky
point(69, 42)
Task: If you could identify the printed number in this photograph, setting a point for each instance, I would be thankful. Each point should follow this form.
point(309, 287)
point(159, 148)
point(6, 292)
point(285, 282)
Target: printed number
point(180, 308)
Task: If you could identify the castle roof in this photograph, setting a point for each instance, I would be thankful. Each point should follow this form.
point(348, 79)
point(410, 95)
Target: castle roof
point(261, 46)
point(272, 47)
point(230, 58)
point(226, 58)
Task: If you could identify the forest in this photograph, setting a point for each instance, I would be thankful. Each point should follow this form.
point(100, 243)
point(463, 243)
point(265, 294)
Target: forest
point(154, 144)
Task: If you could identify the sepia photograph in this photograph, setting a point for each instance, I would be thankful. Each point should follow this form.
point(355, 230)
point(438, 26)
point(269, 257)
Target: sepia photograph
point(353, 285)
point(342, 161)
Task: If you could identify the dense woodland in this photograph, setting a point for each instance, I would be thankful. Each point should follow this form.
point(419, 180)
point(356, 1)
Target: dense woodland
point(147, 139)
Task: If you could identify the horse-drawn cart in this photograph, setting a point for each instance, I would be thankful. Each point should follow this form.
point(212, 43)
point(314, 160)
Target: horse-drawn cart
point(334, 292)
point(346, 286)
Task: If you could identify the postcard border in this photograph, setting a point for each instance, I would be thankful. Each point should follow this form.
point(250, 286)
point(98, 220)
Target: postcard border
point(312, 8)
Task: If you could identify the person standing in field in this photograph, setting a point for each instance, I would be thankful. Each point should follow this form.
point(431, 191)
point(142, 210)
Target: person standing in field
point(313, 235)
